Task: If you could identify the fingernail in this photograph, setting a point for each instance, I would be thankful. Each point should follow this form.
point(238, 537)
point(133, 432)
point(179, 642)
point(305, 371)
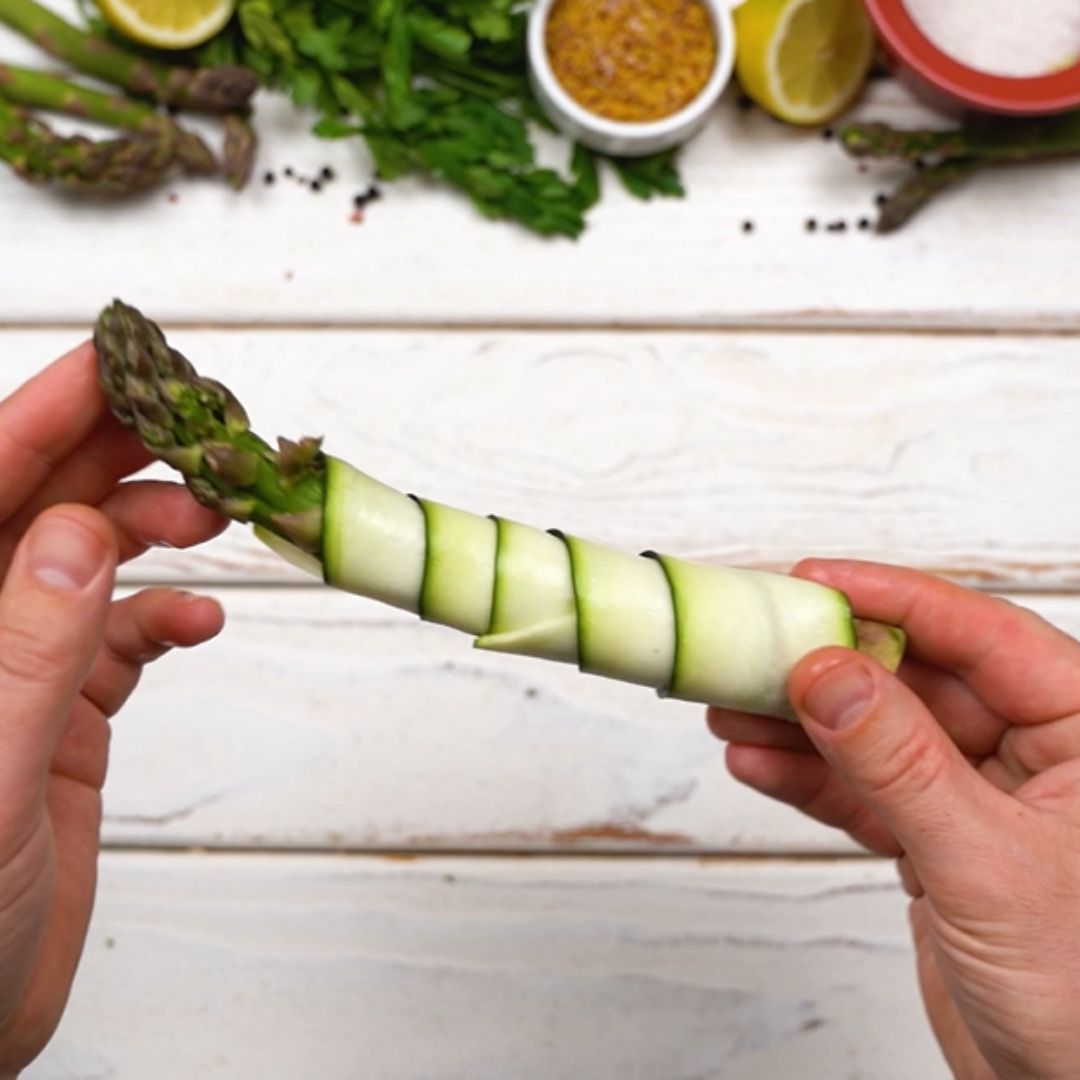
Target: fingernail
point(64, 554)
point(839, 697)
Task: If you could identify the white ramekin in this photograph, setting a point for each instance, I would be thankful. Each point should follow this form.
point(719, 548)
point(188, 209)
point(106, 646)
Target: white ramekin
point(618, 137)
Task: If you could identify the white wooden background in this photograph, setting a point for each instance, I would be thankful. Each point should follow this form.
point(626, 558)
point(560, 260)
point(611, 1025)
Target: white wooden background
point(341, 844)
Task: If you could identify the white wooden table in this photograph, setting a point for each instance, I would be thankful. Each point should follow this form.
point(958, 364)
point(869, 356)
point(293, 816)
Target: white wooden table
point(341, 844)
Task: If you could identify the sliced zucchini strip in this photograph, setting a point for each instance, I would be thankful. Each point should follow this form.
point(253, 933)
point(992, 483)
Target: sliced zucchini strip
point(373, 538)
point(289, 552)
point(533, 610)
point(459, 577)
point(625, 615)
point(739, 633)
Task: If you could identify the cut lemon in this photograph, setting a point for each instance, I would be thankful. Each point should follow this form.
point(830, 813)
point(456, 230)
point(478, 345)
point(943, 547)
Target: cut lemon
point(168, 24)
point(804, 61)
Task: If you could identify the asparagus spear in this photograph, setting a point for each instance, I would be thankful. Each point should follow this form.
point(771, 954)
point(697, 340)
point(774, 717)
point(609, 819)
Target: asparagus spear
point(910, 197)
point(197, 426)
point(241, 144)
point(700, 633)
point(1000, 140)
point(36, 89)
point(214, 89)
point(113, 167)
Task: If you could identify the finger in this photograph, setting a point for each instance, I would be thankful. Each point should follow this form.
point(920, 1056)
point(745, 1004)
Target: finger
point(87, 475)
point(140, 629)
point(806, 782)
point(1025, 752)
point(994, 646)
point(1057, 789)
point(44, 420)
point(157, 513)
point(909, 878)
point(895, 757)
point(53, 608)
point(750, 730)
point(969, 722)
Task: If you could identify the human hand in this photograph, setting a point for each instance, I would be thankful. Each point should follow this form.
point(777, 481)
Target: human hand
point(966, 768)
point(69, 658)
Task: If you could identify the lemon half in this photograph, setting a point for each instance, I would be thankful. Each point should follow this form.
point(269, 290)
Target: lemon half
point(804, 61)
point(168, 24)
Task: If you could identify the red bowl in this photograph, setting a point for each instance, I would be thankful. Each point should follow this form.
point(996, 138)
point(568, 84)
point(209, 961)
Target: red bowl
point(920, 61)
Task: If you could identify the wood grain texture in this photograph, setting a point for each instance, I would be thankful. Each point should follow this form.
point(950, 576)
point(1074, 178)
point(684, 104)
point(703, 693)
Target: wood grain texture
point(222, 967)
point(999, 255)
point(319, 722)
point(751, 449)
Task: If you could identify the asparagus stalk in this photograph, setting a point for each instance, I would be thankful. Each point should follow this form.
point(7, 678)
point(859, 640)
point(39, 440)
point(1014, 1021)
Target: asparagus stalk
point(36, 89)
point(996, 141)
point(699, 633)
point(221, 89)
point(907, 200)
point(113, 167)
point(241, 144)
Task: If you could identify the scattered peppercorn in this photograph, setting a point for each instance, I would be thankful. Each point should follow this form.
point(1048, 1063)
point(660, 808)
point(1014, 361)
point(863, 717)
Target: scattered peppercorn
point(268, 178)
point(289, 171)
point(747, 226)
point(864, 223)
point(327, 174)
point(315, 185)
point(828, 134)
point(811, 225)
point(744, 102)
point(881, 198)
point(837, 226)
point(362, 198)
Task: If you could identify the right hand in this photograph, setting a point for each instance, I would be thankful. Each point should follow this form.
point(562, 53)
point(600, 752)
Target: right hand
point(966, 769)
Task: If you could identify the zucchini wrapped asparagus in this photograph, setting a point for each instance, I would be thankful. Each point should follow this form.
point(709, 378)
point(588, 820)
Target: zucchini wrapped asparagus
point(698, 633)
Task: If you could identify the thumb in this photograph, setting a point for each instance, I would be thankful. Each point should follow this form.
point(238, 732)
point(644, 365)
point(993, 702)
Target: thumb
point(894, 755)
point(53, 606)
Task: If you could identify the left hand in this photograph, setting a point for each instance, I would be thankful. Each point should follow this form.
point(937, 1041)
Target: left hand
point(69, 658)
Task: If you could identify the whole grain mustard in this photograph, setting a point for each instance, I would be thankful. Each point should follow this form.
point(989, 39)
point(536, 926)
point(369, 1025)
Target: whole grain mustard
point(631, 60)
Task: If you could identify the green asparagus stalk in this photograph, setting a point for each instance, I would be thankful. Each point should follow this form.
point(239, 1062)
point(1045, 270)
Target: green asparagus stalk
point(36, 89)
point(199, 428)
point(999, 140)
point(112, 167)
point(906, 201)
point(221, 89)
point(699, 633)
point(241, 145)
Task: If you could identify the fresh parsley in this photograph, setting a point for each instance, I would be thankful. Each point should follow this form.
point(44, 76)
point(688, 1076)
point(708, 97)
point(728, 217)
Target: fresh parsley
point(432, 86)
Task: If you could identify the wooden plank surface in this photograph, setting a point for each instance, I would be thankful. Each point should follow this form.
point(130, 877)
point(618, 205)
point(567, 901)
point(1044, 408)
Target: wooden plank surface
point(317, 721)
point(946, 452)
point(286, 967)
point(998, 256)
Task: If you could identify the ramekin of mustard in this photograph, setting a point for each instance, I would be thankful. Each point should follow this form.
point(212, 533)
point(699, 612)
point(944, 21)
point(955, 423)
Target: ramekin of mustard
point(630, 77)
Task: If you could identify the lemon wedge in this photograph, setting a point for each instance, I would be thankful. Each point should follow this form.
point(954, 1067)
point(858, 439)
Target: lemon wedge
point(168, 24)
point(804, 61)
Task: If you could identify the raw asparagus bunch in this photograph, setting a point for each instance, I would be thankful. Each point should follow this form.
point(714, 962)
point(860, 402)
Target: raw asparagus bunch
point(699, 633)
point(942, 158)
point(221, 89)
point(38, 90)
point(111, 167)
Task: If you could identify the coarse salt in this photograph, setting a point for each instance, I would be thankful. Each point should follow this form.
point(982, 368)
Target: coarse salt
point(1015, 38)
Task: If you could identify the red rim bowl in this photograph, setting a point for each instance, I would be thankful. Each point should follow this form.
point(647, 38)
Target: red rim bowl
point(916, 55)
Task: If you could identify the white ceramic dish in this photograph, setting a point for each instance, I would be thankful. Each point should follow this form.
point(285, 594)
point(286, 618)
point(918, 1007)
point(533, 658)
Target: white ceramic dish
point(619, 137)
